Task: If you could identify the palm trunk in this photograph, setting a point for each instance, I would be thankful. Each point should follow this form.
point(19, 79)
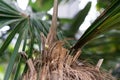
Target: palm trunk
point(57, 64)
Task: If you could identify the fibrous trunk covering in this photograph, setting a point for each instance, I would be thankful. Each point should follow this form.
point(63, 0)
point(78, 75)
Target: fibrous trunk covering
point(56, 63)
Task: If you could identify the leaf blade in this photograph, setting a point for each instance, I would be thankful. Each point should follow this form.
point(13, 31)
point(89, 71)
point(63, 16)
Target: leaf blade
point(93, 30)
point(13, 57)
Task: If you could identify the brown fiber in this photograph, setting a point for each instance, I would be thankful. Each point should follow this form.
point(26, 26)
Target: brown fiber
point(61, 66)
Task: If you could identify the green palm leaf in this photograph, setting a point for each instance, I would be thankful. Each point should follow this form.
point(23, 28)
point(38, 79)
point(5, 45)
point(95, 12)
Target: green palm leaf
point(10, 37)
point(78, 20)
point(13, 57)
point(103, 22)
point(29, 26)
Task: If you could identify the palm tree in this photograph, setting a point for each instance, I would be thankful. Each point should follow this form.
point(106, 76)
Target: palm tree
point(53, 61)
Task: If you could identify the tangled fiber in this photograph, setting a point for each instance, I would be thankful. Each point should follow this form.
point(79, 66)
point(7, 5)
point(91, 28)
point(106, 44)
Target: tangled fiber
point(61, 66)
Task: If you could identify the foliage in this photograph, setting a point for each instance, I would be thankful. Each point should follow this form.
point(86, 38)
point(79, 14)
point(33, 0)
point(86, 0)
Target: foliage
point(108, 19)
point(103, 3)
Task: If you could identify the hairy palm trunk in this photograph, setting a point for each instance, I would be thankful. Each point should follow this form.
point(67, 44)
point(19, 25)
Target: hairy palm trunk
point(56, 63)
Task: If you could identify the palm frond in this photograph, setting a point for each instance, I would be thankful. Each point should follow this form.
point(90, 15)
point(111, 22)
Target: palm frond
point(78, 20)
point(103, 22)
point(13, 57)
point(28, 27)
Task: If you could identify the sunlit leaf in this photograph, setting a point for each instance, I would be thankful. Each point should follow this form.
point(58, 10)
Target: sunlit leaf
point(41, 5)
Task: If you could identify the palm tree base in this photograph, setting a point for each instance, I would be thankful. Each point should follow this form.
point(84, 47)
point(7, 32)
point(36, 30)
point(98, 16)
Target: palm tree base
point(59, 65)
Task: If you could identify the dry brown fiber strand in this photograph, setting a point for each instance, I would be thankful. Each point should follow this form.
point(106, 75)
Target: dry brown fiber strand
point(60, 66)
point(73, 72)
